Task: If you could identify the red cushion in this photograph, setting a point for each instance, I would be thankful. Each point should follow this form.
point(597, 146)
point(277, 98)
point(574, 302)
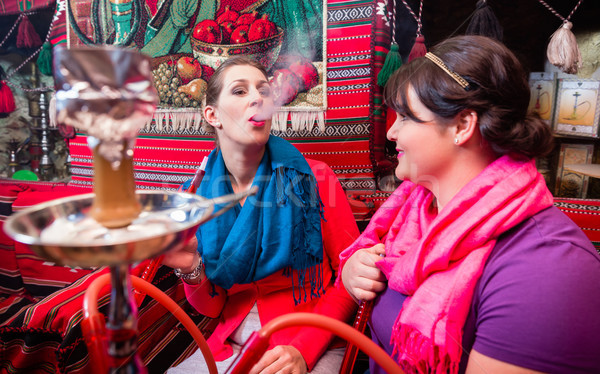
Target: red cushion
point(585, 213)
point(42, 277)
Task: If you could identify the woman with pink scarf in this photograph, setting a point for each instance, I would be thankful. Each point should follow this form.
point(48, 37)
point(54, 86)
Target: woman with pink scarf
point(480, 274)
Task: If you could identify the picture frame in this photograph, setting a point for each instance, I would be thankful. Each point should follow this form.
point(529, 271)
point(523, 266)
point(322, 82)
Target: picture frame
point(569, 183)
point(577, 109)
point(543, 95)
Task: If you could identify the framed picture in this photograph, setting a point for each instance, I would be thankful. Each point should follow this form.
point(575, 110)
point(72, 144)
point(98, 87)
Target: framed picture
point(577, 107)
point(569, 183)
point(543, 94)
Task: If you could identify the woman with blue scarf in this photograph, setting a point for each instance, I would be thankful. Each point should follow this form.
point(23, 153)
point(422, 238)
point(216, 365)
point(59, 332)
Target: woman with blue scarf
point(276, 252)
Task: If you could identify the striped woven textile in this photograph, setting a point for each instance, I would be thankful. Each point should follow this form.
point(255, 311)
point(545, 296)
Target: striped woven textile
point(585, 213)
point(45, 336)
point(16, 7)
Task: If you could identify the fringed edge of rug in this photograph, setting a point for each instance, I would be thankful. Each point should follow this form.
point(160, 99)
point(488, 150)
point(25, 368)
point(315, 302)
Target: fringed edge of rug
point(178, 120)
point(300, 120)
point(303, 120)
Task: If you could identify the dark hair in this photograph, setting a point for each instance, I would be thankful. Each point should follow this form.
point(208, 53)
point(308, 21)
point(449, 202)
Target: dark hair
point(498, 92)
point(215, 83)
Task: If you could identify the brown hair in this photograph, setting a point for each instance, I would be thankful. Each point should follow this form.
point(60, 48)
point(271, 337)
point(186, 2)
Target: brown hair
point(498, 92)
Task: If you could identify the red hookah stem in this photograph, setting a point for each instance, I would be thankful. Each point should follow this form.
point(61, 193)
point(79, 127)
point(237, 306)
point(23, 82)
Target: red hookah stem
point(197, 177)
point(365, 308)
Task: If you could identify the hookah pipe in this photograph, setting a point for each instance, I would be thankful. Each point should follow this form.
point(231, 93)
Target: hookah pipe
point(93, 325)
point(539, 97)
point(94, 329)
point(365, 308)
point(155, 263)
point(573, 115)
point(363, 315)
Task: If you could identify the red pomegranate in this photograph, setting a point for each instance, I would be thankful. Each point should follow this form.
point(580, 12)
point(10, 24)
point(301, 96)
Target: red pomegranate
point(261, 28)
point(307, 72)
point(246, 18)
point(226, 31)
point(285, 86)
point(239, 35)
point(207, 72)
point(208, 31)
point(228, 15)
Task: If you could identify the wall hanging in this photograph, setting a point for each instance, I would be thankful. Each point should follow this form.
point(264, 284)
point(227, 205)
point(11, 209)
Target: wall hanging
point(188, 40)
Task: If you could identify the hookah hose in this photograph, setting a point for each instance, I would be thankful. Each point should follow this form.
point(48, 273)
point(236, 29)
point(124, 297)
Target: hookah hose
point(94, 330)
point(258, 342)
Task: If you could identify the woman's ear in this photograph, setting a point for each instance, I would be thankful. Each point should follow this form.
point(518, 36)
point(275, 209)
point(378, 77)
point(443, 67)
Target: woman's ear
point(210, 115)
point(467, 126)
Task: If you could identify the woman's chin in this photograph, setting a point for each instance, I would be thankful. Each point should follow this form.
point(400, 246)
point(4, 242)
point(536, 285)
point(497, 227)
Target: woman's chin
point(401, 173)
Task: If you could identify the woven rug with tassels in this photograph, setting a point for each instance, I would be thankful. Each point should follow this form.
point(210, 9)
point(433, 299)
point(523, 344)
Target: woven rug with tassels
point(167, 155)
point(189, 39)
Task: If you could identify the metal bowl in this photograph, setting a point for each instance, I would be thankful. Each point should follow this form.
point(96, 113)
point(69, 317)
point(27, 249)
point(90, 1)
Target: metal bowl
point(266, 51)
point(61, 230)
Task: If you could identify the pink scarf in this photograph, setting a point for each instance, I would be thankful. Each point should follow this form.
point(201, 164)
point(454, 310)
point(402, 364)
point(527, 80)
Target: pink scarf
point(436, 259)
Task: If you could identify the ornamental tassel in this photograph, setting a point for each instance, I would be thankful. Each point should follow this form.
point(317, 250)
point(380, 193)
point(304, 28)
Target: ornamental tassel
point(44, 61)
point(563, 50)
point(7, 100)
point(419, 49)
point(484, 22)
point(393, 61)
point(27, 37)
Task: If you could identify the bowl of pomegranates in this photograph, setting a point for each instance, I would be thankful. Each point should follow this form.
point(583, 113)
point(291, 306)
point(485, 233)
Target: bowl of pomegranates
point(231, 33)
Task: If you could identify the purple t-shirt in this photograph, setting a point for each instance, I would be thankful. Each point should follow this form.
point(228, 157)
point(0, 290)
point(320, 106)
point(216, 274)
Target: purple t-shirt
point(536, 305)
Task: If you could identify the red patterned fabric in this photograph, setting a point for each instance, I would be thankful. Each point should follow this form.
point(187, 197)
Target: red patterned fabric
point(384, 164)
point(58, 34)
point(46, 336)
point(585, 213)
point(18, 6)
point(21, 266)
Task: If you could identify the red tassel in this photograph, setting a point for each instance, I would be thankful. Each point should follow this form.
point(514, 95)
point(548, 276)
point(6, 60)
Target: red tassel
point(419, 49)
point(27, 37)
point(7, 100)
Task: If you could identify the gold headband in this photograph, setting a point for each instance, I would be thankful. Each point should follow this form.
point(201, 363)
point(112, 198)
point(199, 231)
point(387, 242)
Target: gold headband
point(438, 61)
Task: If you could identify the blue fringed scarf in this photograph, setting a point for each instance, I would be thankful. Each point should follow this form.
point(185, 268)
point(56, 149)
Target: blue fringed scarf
point(277, 229)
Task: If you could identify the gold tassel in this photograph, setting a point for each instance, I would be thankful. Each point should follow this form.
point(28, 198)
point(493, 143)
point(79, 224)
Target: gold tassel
point(563, 50)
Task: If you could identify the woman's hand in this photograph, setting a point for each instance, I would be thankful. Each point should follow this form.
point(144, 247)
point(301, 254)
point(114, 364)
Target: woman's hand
point(284, 359)
point(185, 259)
point(362, 279)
